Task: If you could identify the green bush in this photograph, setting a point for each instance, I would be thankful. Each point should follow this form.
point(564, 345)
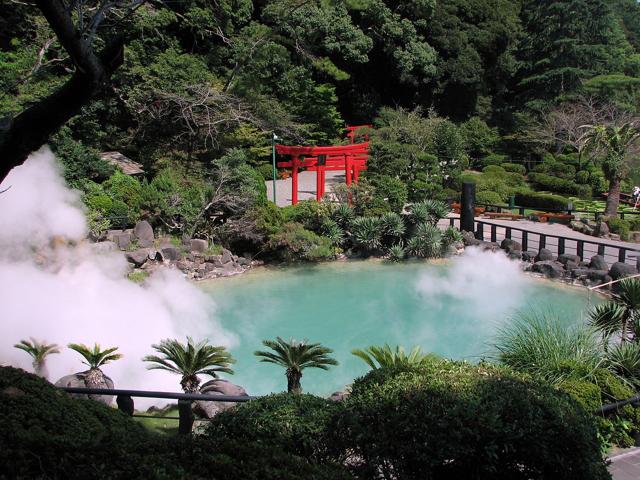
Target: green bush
point(494, 159)
point(390, 191)
point(559, 185)
point(297, 424)
point(494, 170)
point(479, 138)
point(582, 177)
point(540, 201)
point(490, 198)
point(265, 170)
point(294, 243)
point(618, 226)
point(514, 168)
point(454, 420)
point(309, 213)
point(47, 434)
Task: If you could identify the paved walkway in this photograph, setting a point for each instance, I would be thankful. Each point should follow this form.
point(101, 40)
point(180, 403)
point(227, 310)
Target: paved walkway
point(611, 254)
point(306, 186)
point(626, 466)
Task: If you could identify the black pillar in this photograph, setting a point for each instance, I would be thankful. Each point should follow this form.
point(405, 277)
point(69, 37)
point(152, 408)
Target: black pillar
point(467, 207)
point(185, 424)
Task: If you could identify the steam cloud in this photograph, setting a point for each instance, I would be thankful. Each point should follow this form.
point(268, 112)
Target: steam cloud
point(65, 291)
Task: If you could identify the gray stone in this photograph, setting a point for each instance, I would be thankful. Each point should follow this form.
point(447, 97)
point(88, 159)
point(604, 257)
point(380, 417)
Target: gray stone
point(122, 240)
point(338, 396)
point(549, 269)
point(529, 256)
point(217, 387)
point(244, 261)
point(567, 257)
point(602, 230)
point(209, 267)
point(492, 246)
point(137, 257)
point(571, 265)
point(511, 245)
point(104, 247)
point(619, 270)
point(198, 245)
point(226, 256)
point(469, 239)
point(229, 268)
point(77, 380)
point(171, 253)
point(515, 255)
point(577, 226)
point(598, 263)
point(544, 255)
point(184, 266)
point(143, 232)
point(634, 237)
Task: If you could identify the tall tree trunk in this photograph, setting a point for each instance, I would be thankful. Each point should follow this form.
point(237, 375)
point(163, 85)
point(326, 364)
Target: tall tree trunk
point(31, 129)
point(293, 380)
point(613, 198)
point(40, 369)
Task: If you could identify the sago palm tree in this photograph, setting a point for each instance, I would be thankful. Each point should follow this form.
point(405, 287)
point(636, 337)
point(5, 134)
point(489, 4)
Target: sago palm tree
point(95, 358)
point(616, 147)
point(386, 357)
point(295, 357)
point(39, 352)
point(190, 360)
point(621, 316)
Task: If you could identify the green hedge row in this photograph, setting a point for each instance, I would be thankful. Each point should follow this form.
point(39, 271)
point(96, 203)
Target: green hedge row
point(560, 185)
point(542, 201)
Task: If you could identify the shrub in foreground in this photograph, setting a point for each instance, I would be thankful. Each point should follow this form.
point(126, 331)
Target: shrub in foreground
point(453, 420)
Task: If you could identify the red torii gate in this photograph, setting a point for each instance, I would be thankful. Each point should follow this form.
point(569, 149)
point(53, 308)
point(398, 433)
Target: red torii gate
point(350, 158)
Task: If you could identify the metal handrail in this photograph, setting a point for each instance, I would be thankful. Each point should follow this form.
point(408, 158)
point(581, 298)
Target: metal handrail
point(609, 407)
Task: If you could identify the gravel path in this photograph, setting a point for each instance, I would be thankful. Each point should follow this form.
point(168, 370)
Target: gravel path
point(306, 186)
point(626, 466)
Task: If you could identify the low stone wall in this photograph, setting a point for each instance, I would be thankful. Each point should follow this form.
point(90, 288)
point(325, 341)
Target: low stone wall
point(566, 267)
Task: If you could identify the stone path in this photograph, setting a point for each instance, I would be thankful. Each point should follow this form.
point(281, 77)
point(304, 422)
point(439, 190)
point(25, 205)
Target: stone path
point(611, 254)
point(626, 466)
point(306, 186)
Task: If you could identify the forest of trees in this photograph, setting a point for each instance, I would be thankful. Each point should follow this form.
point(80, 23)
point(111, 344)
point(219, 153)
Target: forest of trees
point(194, 88)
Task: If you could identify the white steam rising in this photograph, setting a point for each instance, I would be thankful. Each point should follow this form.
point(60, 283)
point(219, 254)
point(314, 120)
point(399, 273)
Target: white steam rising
point(481, 290)
point(64, 292)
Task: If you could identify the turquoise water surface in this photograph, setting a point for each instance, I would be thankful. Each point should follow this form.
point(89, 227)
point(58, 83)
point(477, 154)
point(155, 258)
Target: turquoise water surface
point(453, 309)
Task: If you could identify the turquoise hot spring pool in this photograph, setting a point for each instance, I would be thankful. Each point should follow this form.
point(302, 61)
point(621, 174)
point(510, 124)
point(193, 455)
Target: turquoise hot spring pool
point(452, 308)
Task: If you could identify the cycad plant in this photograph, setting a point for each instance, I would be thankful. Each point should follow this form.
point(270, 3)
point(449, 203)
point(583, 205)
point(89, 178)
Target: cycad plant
point(386, 357)
point(428, 211)
point(367, 234)
point(397, 253)
point(190, 360)
point(95, 358)
point(620, 318)
point(295, 357)
point(451, 235)
point(39, 352)
point(343, 215)
point(333, 232)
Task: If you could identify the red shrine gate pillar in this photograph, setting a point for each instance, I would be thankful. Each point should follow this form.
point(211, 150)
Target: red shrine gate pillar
point(294, 180)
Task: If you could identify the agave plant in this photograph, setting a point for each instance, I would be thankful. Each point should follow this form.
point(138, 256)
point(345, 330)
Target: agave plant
point(621, 316)
point(333, 232)
point(190, 360)
point(295, 357)
point(386, 357)
point(428, 211)
point(451, 235)
point(624, 360)
point(39, 352)
point(426, 241)
point(397, 253)
point(392, 226)
point(343, 215)
point(366, 233)
point(95, 358)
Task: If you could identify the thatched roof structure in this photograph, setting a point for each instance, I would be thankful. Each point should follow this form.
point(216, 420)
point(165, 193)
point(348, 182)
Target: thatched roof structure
point(128, 166)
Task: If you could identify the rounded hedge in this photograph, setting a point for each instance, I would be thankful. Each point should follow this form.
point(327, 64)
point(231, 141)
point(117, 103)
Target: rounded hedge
point(293, 422)
point(453, 420)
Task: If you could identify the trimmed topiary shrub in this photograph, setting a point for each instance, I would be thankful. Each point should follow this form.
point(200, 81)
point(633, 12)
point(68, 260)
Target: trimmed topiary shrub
point(541, 201)
point(514, 168)
point(295, 423)
point(489, 198)
point(454, 420)
point(560, 185)
point(494, 159)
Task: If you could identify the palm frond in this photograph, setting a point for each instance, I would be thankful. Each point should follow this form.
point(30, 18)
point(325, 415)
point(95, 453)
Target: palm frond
point(37, 350)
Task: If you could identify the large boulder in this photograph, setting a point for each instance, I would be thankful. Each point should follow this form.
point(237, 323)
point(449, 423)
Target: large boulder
point(529, 256)
point(78, 380)
point(198, 245)
point(511, 245)
point(549, 269)
point(598, 263)
point(104, 247)
point(469, 239)
point(602, 230)
point(209, 409)
point(619, 270)
point(171, 253)
point(137, 257)
point(143, 232)
point(226, 256)
point(544, 255)
point(122, 240)
point(566, 258)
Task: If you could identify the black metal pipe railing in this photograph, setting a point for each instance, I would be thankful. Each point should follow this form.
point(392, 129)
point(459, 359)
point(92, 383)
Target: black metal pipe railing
point(186, 417)
point(610, 407)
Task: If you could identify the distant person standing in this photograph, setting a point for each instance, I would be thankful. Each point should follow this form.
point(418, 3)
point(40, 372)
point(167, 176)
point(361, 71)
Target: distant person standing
point(636, 195)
